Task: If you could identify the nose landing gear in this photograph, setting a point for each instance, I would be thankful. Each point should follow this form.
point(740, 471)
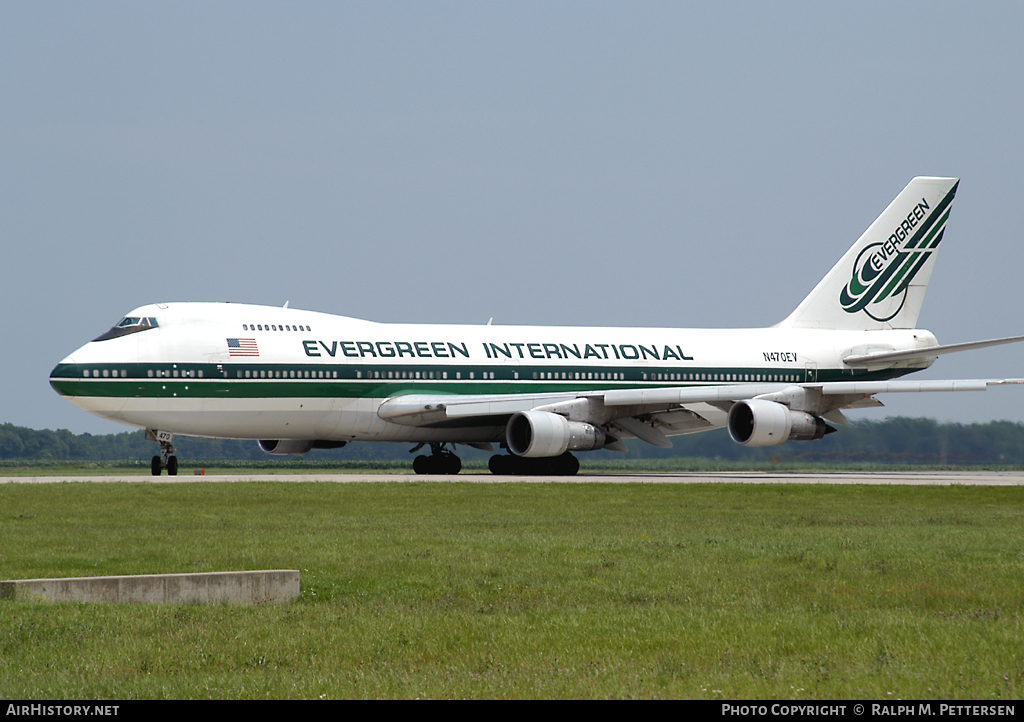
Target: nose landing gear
point(166, 459)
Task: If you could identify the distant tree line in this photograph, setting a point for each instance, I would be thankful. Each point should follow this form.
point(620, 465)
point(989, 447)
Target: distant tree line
point(899, 440)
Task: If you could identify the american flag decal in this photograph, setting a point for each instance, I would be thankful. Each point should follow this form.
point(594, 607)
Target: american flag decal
point(242, 347)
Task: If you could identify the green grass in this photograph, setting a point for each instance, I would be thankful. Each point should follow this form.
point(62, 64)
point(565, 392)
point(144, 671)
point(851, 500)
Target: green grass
point(527, 590)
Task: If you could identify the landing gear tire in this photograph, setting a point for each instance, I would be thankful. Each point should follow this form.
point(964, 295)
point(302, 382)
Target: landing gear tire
point(510, 465)
point(568, 465)
point(440, 462)
point(500, 464)
point(167, 459)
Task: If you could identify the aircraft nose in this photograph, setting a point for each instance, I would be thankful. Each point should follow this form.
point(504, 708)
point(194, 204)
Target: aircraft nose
point(64, 375)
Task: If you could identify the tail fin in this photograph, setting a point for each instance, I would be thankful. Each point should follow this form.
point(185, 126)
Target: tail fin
point(881, 281)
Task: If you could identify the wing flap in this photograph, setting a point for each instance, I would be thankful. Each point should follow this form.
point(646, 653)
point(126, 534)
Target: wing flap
point(645, 432)
point(434, 409)
point(686, 395)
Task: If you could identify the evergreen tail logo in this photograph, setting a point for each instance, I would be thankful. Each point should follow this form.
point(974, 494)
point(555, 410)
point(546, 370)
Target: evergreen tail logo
point(883, 272)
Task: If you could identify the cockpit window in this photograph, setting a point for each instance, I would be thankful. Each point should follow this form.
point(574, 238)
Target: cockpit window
point(128, 325)
point(128, 321)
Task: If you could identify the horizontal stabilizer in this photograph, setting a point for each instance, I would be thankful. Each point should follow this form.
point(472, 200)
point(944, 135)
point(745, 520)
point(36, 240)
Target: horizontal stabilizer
point(885, 357)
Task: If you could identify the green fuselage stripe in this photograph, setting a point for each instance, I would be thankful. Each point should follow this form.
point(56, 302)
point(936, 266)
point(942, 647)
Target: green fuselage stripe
point(370, 381)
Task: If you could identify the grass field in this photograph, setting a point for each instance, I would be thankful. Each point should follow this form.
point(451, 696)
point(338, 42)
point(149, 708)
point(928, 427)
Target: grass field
point(526, 590)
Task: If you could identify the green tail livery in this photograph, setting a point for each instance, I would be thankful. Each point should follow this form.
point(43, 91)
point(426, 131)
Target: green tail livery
point(883, 271)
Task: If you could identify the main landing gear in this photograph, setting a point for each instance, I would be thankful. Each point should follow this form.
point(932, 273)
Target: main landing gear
point(511, 465)
point(440, 461)
point(167, 459)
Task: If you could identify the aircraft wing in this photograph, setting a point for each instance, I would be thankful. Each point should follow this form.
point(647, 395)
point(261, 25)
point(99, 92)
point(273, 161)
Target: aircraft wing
point(653, 414)
point(739, 392)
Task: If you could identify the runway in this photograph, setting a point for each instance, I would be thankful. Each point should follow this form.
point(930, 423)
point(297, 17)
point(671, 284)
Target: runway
point(910, 478)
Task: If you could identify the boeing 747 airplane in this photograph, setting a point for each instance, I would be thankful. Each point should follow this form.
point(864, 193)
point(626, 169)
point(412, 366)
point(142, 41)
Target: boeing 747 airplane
point(298, 380)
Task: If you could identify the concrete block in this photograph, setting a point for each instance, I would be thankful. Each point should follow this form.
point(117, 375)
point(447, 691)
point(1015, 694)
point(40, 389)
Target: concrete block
point(274, 586)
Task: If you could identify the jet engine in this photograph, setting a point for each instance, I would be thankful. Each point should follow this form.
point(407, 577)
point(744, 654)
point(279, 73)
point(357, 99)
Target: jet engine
point(297, 446)
point(757, 422)
point(541, 433)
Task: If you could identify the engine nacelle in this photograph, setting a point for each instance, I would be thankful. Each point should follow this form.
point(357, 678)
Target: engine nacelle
point(297, 446)
point(757, 422)
point(541, 433)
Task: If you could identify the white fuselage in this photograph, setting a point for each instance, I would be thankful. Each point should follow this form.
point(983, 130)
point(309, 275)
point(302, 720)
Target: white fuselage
point(256, 372)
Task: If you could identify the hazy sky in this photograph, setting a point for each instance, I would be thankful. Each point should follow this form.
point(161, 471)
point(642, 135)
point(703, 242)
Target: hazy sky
point(635, 164)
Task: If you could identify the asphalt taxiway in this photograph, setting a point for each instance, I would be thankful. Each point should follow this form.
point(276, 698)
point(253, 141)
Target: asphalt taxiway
point(909, 478)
